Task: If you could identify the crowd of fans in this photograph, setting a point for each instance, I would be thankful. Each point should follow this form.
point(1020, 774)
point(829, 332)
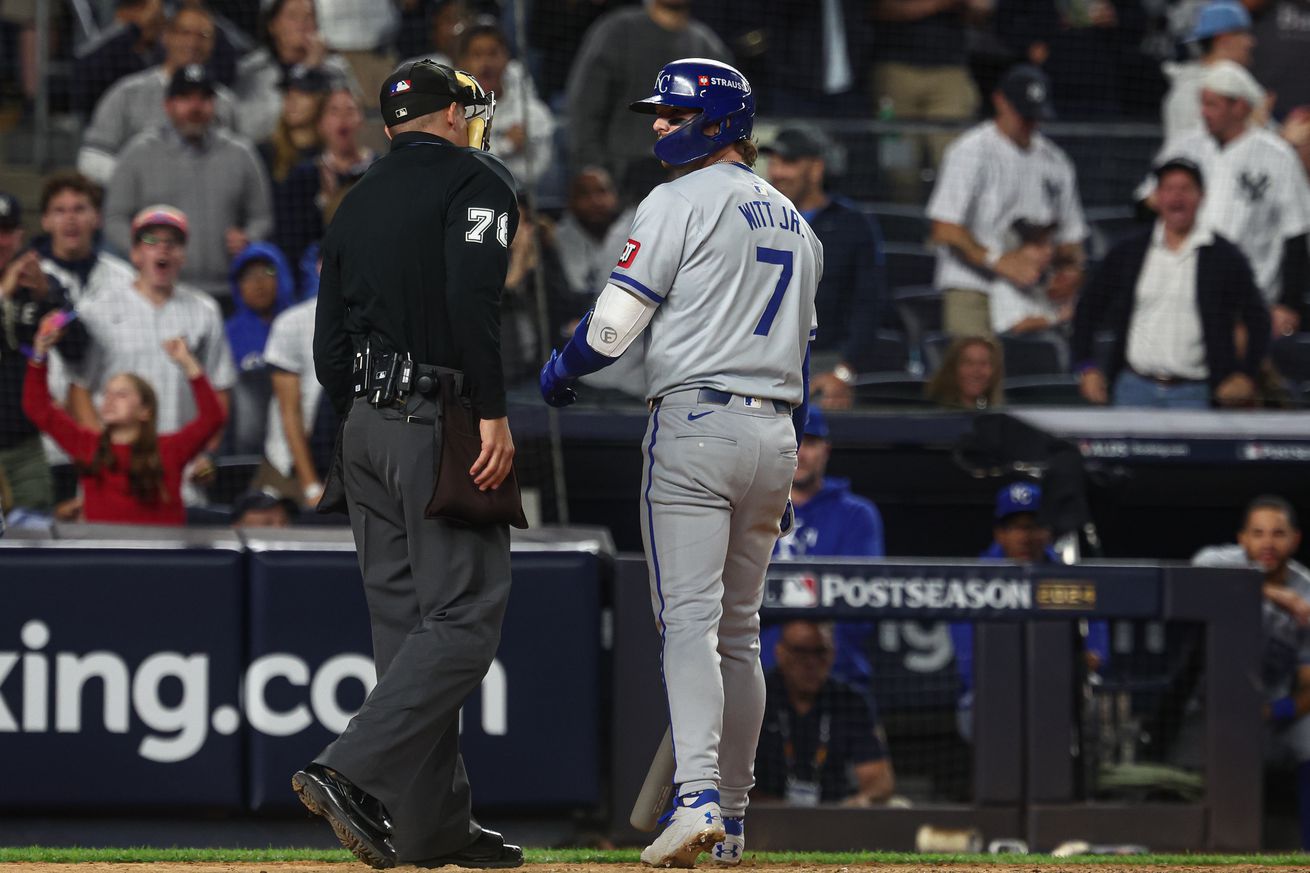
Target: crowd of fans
point(245, 132)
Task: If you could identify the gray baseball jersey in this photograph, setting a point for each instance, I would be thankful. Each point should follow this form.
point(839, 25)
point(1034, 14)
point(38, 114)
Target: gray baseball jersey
point(734, 268)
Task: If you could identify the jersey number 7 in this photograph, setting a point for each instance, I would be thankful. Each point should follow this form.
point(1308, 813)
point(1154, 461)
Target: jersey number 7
point(781, 258)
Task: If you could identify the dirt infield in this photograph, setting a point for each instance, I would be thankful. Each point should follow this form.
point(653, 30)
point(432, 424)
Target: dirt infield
point(317, 867)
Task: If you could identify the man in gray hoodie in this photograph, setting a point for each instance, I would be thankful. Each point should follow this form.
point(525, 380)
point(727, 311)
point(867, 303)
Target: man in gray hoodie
point(212, 175)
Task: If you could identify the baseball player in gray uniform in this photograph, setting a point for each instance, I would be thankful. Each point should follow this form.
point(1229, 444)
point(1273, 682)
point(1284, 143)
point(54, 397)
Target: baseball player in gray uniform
point(723, 269)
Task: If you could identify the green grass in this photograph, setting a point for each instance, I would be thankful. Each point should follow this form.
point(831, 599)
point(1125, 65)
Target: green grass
point(31, 854)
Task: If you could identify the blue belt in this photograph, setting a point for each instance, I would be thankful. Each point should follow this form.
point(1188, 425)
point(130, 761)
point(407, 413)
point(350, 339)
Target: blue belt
point(723, 398)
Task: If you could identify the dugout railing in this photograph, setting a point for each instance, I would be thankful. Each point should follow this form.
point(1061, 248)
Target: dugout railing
point(1025, 779)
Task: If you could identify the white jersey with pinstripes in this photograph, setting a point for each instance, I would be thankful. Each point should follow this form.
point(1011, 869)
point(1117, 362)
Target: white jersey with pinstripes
point(733, 268)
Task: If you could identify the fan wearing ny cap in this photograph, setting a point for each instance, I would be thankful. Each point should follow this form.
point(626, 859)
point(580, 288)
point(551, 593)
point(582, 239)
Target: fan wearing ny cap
point(1256, 191)
point(996, 174)
point(211, 174)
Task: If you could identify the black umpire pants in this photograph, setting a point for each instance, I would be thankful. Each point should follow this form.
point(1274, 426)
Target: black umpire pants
point(436, 596)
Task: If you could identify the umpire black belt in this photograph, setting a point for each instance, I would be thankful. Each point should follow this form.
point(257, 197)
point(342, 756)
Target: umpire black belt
point(723, 398)
point(386, 378)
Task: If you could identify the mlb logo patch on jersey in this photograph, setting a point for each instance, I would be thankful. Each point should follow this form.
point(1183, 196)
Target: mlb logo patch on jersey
point(629, 253)
point(401, 86)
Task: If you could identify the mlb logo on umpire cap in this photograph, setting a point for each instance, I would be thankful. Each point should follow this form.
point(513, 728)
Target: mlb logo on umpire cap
point(401, 86)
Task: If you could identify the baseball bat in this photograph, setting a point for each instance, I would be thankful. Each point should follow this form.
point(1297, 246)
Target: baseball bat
point(653, 798)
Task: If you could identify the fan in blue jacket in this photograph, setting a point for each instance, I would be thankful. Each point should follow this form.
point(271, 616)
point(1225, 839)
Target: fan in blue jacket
point(831, 522)
point(262, 286)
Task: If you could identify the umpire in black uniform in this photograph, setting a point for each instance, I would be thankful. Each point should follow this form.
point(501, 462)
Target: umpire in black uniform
point(413, 267)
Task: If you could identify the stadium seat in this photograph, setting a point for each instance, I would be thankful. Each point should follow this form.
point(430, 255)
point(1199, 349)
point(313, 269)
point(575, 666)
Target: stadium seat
point(934, 344)
point(1291, 356)
point(890, 389)
point(1109, 225)
point(1103, 348)
point(1035, 354)
point(888, 352)
point(920, 312)
point(1043, 391)
point(909, 265)
point(901, 223)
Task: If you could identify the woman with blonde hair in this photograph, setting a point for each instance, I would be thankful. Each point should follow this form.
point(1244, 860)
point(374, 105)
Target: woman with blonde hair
point(970, 376)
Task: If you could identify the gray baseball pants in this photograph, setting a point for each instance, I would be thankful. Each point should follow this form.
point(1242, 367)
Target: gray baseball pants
point(436, 596)
point(715, 484)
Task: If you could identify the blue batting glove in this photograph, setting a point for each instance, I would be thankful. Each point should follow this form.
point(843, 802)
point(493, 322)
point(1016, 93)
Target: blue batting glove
point(788, 522)
point(556, 390)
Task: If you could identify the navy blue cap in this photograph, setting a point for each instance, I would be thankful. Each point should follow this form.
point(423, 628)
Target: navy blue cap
point(1029, 91)
point(311, 80)
point(797, 142)
point(817, 425)
point(11, 212)
point(254, 500)
point(192, 77)
point(1016, 498)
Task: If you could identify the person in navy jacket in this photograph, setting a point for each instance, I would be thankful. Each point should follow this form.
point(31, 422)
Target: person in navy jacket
point(1021, 535)
point(831, 522)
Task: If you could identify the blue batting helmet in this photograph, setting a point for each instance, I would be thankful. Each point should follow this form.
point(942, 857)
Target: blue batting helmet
point(721, 94)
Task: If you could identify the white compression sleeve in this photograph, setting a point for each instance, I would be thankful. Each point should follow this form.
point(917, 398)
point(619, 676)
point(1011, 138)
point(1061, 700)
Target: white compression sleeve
point(619, 318)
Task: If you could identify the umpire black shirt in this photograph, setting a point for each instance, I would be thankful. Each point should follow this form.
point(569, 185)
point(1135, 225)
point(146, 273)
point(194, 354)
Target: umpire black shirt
point(415, 261)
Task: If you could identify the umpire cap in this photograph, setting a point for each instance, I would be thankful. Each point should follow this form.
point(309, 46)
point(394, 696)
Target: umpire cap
point(422, 87)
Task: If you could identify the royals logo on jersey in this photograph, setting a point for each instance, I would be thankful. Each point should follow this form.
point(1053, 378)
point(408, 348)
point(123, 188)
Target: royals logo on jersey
point(629, 253)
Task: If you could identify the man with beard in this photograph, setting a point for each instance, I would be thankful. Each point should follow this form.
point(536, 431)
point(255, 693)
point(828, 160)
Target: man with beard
point(213, 176)
point(1267, 541)
point(853, 291)
point(136, 103)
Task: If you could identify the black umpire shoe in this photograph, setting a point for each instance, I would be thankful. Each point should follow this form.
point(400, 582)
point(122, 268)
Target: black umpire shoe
point(489, 850)
point(359, 820)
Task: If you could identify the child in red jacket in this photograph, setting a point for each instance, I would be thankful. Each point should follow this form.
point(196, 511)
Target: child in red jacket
point(130, 473)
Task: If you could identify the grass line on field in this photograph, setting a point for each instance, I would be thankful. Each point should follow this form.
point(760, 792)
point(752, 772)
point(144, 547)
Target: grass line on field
point(42, 854)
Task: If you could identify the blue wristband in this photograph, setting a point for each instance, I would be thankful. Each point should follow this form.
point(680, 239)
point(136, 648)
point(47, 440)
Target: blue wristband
point(579, 358)
point(1283, 709)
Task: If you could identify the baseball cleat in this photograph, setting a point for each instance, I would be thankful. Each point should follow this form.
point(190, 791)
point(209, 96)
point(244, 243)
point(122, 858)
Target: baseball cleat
point(695, 825)
point(727, 852)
